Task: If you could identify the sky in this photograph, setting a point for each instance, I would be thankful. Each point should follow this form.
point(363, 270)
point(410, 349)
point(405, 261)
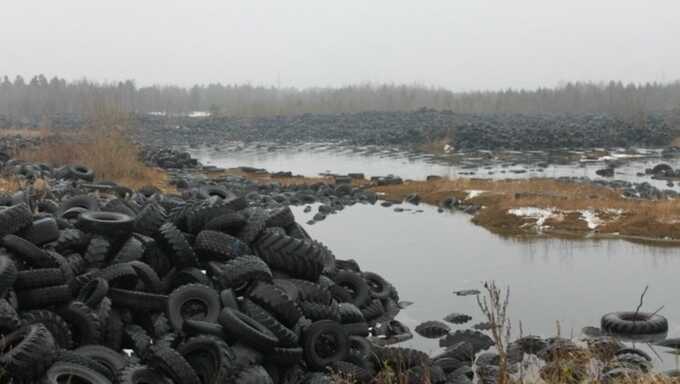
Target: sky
point(461, 45)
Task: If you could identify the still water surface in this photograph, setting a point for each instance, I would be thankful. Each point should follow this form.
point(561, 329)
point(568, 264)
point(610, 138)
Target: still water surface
point(428, 255)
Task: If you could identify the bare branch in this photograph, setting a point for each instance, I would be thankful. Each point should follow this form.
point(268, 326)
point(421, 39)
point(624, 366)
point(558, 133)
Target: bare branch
point(642, 297)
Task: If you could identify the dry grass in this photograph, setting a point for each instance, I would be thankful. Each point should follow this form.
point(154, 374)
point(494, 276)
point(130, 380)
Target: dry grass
point(675, 142)
point(110, 154)
point(644, 218)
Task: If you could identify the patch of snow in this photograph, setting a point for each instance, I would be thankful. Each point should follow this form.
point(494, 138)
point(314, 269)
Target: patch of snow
point(157, 113)
point(199, 114)
point(540, 214)
point(449, 148)
point(472, 193)
point(590, 217)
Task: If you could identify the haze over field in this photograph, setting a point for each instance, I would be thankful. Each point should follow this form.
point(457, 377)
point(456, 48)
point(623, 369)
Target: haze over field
point(459, 45)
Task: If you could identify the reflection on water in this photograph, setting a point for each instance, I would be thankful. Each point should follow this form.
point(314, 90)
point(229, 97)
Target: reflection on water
point(428, 255)
point(312, 159)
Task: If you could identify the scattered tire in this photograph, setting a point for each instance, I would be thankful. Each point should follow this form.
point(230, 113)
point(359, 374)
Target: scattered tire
point(630, 323)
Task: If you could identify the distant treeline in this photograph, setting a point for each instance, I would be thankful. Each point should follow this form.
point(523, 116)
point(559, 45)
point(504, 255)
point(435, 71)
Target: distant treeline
point(40, 96)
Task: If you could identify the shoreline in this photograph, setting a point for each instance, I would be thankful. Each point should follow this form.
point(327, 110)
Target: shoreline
point(491, 207)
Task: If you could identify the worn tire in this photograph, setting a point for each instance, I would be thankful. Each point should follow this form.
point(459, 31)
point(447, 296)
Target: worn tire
point(14, 219)
point(27, 352)
point(247, 330)
point(174, 365)
point(112, 224)
point(626, 323)
point(218, 246)
point(208, 297)
point(315, 334)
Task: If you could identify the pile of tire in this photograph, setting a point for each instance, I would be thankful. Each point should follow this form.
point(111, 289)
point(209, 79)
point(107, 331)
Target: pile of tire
point(156, 288)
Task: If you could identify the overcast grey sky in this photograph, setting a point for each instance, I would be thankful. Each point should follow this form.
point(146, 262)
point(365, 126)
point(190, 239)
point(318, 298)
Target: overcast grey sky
point(458, 44)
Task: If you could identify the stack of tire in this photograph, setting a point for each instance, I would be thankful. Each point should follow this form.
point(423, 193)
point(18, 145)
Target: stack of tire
point(157, 289)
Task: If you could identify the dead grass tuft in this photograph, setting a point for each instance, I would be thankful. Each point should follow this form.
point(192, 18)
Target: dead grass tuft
point(110, 154)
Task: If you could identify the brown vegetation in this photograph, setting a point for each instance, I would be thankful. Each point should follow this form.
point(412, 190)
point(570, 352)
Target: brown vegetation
point(644, 218)
point(110, 154)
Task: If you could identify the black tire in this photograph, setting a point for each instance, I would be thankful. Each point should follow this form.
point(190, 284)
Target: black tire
point(241, 271)
point(247, 330)
point(402, 358)
point(298, 232)
point(42, 231)
point(66, 372)
point(300, 258)
point(197, 327)
point(121, 275)
point(15, 219)
point(28, 252)
point(149, 277)
point(355, 285)
point(118, 206)
point(54, 323)
point(27, 352)
point(36, 278)
point(286, 356)
point(200, 214)
point(357, 329)
point(141, 374)
point(230, 223)
point(350, 313)
point(228, 299)
point(97, 251)
point(281, 217)
point(286, 336)
point(85, 202)
point(9, 318)
point(113, 360)
point(213, 245)
point(315, 311)
point(72, 240)
point(432, 329)
point(136, 337)
point(150, 219)
point(42, 297)
point(255, 223)
point(255, 374)
point(84, 322)
point(174, 365)
point(8, 274)
point(93, 292)
point(208, 298)
point(70, 357)
point(138, 301)
point(177, 246)
point(132, 250)
point(78, 172)
point(378, 287)
point(112, 224)
point(630, 323)
point(275, 299)
point(312, 292)
point(316, 339)
point(112, 331)
point(210, 357)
